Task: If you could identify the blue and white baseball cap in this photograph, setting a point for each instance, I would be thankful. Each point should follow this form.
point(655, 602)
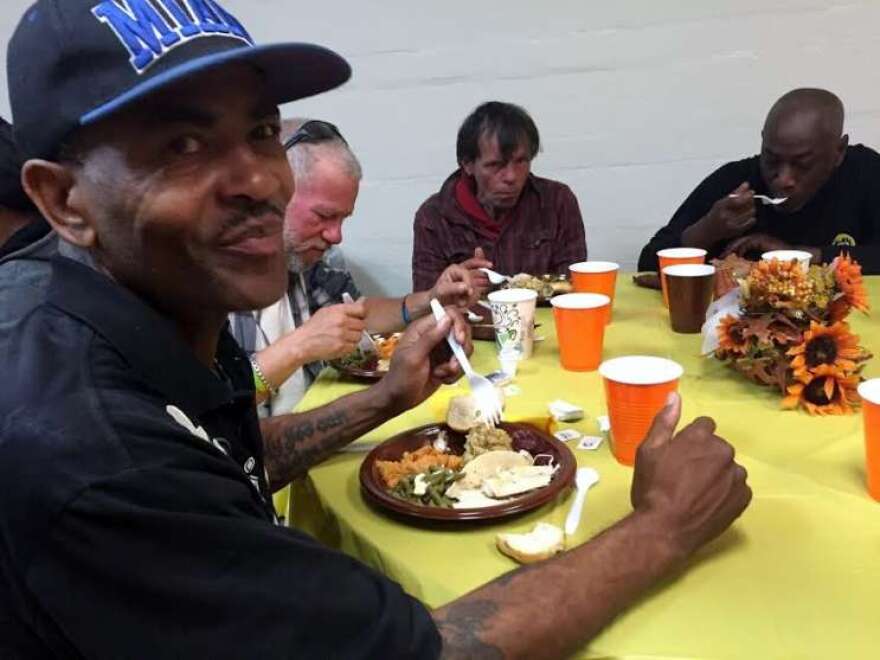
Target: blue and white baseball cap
point(71, 63)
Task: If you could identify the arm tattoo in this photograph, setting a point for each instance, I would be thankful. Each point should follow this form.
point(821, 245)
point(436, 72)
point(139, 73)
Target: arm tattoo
point(296, 443)
point(461, 625)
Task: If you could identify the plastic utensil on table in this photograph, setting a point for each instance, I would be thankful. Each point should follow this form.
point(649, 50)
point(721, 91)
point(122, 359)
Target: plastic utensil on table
point(584, 479)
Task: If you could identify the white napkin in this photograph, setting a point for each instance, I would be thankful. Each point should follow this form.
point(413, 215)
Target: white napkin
point(728, 304)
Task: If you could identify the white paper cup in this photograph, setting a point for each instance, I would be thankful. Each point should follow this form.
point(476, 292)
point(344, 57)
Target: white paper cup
point(513, 315)
point(803, 258)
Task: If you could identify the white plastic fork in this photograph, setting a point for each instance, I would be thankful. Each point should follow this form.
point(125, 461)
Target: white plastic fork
point(483, 390)
point(366, 344)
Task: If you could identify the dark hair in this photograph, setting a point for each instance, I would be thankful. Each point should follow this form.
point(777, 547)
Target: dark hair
point(508, 123)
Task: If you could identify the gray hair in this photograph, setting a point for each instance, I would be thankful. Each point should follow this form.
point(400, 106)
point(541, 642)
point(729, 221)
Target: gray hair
point(303, 155)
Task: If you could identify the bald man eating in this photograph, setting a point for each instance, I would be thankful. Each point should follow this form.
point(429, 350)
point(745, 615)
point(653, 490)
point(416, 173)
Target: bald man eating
point(832, 192)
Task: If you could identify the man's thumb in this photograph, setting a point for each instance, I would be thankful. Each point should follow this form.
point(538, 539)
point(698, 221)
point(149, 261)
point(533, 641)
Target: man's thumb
point(663, 427)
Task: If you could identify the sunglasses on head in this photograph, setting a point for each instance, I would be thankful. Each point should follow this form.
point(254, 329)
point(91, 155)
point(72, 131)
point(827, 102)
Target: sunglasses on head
point(314, 130)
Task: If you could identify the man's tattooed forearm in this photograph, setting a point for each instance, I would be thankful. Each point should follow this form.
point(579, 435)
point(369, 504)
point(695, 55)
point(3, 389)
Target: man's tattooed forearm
point(461, 625)
point(508, 577)
point(295, 447)
point(332, 421)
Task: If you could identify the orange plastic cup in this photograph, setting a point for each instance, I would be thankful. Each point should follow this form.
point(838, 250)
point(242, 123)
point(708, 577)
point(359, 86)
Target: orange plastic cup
point(673, 256)
point(580, 329)
point(595, 277)
point(870, 393)
point(636, 387)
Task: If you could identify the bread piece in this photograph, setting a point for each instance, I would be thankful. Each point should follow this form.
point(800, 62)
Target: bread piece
point(541, 543)
point(463, 414)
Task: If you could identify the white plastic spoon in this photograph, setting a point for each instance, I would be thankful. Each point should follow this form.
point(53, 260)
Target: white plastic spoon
point(584, 479)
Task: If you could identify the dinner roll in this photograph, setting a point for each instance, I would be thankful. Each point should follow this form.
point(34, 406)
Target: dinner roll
point(544, 541)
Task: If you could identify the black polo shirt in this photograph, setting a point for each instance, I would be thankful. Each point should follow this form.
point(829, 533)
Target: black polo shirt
point(843, 216)
point(136, 520)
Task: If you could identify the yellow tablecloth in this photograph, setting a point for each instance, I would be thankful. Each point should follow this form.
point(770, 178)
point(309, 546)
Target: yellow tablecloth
point(798, 576)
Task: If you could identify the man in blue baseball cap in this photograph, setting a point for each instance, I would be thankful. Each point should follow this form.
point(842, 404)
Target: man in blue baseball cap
point(138, 521)
point(143, 523)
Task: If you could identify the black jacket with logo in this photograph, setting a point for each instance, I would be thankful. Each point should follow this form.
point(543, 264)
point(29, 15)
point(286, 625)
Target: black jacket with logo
point(844, 214)
point(136, 520)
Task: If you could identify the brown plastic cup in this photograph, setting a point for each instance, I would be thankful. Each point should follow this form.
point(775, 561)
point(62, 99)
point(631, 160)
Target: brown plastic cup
point(673, 256)
point(690, 288)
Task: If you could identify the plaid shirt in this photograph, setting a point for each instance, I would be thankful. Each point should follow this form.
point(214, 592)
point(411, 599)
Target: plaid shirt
point(544, 233)
point(325, 282)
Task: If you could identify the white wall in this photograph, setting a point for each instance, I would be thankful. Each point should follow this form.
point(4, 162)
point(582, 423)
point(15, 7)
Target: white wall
point(636, 100)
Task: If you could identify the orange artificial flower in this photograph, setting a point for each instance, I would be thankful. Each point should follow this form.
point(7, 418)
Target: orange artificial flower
point(849, 278)
point(833, 346)
point(778, 284)
point(730, 338)
point(828, 391)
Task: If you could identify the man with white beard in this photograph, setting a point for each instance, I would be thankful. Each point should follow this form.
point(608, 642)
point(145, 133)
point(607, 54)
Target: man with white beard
point(289, 341)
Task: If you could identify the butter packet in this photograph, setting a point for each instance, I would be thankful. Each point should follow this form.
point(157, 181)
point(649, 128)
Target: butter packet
point(567, 434)
point(590, 443)
point(564, 411)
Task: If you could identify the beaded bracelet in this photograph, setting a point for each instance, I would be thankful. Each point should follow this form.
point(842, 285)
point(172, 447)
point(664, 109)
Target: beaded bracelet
point(260, 381)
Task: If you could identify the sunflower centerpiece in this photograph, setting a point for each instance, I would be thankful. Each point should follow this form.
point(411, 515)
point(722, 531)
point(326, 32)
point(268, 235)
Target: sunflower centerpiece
point(790, 333)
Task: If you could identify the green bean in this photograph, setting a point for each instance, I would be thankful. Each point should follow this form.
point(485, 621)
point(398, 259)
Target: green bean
point(435, 497)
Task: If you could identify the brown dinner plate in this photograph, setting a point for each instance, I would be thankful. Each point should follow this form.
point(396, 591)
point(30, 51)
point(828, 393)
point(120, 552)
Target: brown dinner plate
point(483, 331)
point(357, 373)
point(544, 301)
point(524, 436)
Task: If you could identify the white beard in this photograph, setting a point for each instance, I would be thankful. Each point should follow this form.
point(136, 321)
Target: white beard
point(295, 264)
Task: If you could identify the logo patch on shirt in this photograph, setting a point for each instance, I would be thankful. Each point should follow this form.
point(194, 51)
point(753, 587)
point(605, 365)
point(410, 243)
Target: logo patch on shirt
point(180, 417)
point(844, 239)
point(149, 29)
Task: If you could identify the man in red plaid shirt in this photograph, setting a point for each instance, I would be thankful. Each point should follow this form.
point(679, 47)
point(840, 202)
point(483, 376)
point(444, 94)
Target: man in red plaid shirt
point(493, 210)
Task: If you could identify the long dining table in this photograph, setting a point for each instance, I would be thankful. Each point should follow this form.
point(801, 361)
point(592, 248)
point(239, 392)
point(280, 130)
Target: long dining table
point(797, 576)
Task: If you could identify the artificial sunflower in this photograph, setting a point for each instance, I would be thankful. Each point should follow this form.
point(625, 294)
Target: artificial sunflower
point(849, 279)
point(730, 338)
point(828, 391)
point(823, 345)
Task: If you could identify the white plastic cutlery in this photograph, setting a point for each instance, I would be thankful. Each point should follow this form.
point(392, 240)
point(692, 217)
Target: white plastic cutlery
point(483, 390)
point(366, 343)
point(584, 479)
point(495, 278)
point(764, 199)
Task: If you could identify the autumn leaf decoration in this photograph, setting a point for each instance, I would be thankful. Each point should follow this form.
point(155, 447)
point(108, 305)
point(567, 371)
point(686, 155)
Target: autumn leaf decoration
point(791, 333)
